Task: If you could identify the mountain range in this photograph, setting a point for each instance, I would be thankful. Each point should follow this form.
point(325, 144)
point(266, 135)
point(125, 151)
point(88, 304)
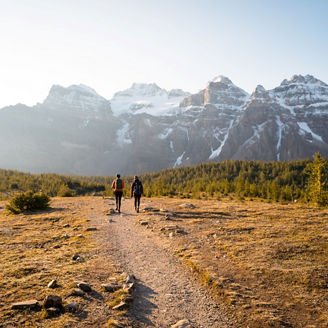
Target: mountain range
point(146, 128)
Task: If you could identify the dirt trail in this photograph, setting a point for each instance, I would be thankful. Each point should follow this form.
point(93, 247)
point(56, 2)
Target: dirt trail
point(166, 292)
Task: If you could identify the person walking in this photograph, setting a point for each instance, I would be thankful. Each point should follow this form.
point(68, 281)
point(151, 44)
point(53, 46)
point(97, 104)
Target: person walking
point(118, 187)
point(136, 191)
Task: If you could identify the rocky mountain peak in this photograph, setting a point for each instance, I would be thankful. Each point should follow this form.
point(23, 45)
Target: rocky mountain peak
point(221, 79)
point(220, 92)
point(76, 96)
point(142, 89)
point(302, 91)
point(303, 80)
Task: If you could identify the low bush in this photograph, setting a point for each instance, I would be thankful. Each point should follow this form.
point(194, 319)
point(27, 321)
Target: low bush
point(27, 202)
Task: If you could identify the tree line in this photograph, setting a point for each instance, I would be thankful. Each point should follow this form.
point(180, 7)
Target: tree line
point(303, 180)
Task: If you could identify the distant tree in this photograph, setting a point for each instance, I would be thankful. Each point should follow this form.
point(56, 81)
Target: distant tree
point(317, 187)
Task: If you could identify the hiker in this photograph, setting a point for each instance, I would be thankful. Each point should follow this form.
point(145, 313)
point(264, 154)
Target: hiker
point(118, 186)
point(136, 191)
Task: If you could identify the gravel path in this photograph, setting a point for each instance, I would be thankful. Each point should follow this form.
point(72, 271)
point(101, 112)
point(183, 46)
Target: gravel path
point(166, 292)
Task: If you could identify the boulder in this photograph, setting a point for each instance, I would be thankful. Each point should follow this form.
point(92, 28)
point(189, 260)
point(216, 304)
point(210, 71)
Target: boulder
point(52, 311)
point(143, 223)
point(78, 292)
point(84, 286)
point(71, 307)
point(53, 301)
point(110, 287)
point(28, 304)
point(91, 229)
point(77, 257)
point(52, 283)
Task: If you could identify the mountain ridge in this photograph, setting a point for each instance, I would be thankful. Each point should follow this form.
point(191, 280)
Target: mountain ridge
point(147, 128)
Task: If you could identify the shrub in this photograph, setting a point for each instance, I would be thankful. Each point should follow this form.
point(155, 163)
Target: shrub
point(64, 191)
point(28, 201)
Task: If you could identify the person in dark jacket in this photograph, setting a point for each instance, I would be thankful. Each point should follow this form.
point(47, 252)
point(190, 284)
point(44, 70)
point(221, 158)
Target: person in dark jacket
point(136, 192)
point(118, 186)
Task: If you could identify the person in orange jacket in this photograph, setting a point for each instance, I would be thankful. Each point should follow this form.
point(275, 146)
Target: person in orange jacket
point(118, 187)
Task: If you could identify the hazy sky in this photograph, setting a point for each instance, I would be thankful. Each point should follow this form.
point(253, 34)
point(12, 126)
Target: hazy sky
point(109, 44)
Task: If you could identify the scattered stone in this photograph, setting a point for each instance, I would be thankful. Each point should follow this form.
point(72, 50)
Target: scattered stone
point(84, 286)
point(29, 304)
point(120, 306)
point(91, 229)
point(171, 234)
point(167, 218)
point(52, 311)
point(77, 257)
point(74, 212)
point(57, 246)
point(80, 236)
point(181, 324)
point(179, 231)
point(52, 283)
point(78, 292)
point(143, 223)
point(110, 211)
point(66, 225)
point(111, 287)
point(71, 307)
point(65, 236)
point(150, 209)
point(187, 205)
point(164, 210)
point(53, 301)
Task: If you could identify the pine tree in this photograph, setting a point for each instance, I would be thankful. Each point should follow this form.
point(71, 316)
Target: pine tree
point(317, 187)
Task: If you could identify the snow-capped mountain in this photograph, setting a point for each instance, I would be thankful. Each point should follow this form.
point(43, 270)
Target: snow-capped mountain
point(147, 98)
point(80, 97)
point(147, 128)
point(285, 123)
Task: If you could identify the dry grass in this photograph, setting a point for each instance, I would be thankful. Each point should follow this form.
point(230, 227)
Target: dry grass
point(36, 248)
point(267, 262)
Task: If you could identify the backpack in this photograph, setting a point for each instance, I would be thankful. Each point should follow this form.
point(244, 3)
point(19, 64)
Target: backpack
point(119, 184)
point(137, 188)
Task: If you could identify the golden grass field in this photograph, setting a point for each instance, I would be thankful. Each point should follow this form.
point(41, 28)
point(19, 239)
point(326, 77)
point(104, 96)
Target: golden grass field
point(267, 263)
point(36, 248)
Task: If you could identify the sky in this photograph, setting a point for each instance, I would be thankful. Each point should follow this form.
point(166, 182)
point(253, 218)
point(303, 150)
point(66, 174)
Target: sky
point(109, 44)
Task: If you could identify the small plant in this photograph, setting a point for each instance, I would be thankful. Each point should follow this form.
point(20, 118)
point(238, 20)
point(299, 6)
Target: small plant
point(28, 201)
point(64, 191)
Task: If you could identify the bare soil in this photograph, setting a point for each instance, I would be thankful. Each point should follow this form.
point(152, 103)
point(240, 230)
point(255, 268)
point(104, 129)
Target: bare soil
point(166, 290)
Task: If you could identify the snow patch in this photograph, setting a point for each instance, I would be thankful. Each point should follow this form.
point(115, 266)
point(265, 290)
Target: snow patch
point(165, 134)
point(122, 135)
point(179, 160)
point(171, 146)
point(215, 153)
point(306, 129)
point(280, 129)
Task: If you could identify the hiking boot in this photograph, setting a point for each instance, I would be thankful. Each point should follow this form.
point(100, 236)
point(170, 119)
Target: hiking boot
point(138, 210)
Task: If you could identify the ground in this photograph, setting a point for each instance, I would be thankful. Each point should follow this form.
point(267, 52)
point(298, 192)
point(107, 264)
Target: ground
point(220, 263)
